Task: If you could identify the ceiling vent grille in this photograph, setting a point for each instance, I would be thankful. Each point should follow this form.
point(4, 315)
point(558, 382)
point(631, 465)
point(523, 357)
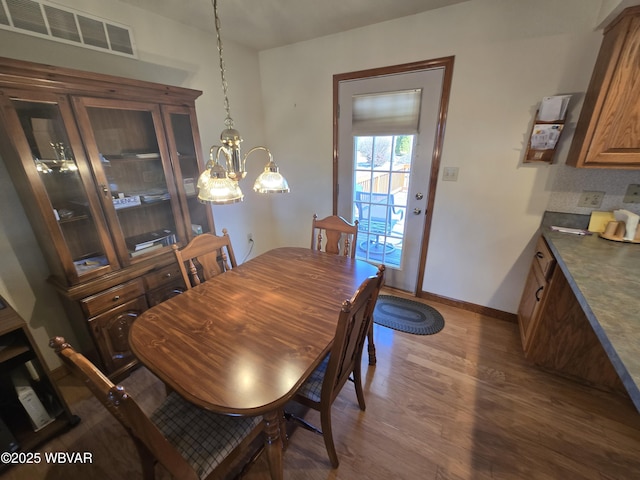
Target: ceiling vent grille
point(45, 20)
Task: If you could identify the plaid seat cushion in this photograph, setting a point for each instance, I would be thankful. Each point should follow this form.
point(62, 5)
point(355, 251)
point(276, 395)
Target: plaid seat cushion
point(312, 388)
point(203, 438)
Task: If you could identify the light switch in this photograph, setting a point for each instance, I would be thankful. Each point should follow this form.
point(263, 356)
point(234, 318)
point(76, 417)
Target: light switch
point(450, 174)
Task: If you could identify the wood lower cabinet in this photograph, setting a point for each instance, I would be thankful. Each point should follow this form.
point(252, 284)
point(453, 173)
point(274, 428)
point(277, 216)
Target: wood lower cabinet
point(106, 169)
point(565, 341)
point(556, 333)
point(607, 134)
point(111, 333)
point(531, 304)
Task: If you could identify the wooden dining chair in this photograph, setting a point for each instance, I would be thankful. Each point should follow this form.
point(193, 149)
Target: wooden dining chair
point(325, 383)
point(191, 443)
point(338, 236)
point(341, 239)
point(206, 255)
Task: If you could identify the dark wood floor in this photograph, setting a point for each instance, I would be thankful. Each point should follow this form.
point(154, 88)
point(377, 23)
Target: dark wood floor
point(461, 404)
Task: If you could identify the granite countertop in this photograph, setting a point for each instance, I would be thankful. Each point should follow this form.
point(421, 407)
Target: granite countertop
point(605, 276)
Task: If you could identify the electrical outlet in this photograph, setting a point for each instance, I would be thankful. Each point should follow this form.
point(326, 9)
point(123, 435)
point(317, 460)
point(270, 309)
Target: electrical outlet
point(591, 199)
point(633, 194)
point(249, 237)
point(450, 174)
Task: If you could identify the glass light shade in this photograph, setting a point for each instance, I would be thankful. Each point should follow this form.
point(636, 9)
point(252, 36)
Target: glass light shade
point(215, 187)
point(271, 180)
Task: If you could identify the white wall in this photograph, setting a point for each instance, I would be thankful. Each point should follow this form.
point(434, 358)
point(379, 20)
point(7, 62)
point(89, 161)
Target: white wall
point(508, 55)
point(168, 53)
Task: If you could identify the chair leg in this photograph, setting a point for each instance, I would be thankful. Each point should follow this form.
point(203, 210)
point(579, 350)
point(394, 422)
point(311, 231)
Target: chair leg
point(327, 433)
point(371, 348)
point(147, 461)
point(357, 381)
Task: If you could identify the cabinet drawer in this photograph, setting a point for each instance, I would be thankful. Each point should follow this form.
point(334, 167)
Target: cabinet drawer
point(169, 274)
point(113, 297)
point(544, 258)
point(165, 292)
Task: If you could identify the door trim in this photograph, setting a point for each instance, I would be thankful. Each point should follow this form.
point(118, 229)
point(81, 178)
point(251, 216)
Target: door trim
point(447, 64)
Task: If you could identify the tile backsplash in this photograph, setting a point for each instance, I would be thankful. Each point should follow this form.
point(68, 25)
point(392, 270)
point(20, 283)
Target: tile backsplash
point(570, 182)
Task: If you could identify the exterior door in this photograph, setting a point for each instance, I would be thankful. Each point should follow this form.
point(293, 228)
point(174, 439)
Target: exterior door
point(386, 168)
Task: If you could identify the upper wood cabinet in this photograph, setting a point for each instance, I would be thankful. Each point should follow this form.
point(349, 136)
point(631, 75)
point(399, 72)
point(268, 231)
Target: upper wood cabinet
point(608, 132)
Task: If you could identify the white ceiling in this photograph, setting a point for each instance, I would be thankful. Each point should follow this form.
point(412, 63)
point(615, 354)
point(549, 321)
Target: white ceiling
point(263, 24)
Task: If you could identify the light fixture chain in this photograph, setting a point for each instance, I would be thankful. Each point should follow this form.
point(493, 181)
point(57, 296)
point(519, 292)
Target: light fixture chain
point(228, 121)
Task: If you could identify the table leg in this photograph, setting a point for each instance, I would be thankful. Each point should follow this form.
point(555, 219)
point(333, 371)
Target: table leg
point(273, 444)
point(371, 348)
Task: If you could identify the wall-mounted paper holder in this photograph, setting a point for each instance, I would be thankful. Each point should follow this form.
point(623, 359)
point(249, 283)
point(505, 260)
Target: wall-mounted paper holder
point(546, 129)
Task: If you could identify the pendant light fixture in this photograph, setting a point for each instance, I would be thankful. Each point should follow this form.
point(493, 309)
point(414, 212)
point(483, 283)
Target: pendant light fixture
point(219, 183)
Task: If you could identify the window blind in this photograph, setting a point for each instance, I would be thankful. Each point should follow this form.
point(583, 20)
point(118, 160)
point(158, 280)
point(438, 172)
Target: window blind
point(391, 113)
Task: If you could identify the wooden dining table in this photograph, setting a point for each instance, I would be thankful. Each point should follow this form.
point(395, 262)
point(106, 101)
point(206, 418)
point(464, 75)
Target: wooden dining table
point(244, 341)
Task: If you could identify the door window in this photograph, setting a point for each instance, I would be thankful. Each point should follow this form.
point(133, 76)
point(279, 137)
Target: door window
point(382, 167)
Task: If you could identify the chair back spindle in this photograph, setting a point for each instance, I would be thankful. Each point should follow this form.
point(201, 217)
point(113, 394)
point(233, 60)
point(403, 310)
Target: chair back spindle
point(207, 255)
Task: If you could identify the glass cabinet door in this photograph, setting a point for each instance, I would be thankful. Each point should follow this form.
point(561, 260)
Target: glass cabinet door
point(185, 149)
point(125, 144)
point(43, 132)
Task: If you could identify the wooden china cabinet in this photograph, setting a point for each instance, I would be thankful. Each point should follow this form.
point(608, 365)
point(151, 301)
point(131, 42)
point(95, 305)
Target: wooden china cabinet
point(106, 170)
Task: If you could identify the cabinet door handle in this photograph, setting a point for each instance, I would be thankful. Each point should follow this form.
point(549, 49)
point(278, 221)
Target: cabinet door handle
point(539, 255)
point(537, 293)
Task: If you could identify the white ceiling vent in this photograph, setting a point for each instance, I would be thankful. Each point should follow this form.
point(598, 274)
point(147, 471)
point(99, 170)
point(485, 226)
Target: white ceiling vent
point(45, 20)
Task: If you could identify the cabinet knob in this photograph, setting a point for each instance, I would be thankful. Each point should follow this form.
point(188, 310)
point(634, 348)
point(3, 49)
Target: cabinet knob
point(539, 254)
point(167, 275)
point(116, 298)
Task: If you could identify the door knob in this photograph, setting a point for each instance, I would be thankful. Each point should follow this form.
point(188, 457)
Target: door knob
point(417, 211)
point(419, 196)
